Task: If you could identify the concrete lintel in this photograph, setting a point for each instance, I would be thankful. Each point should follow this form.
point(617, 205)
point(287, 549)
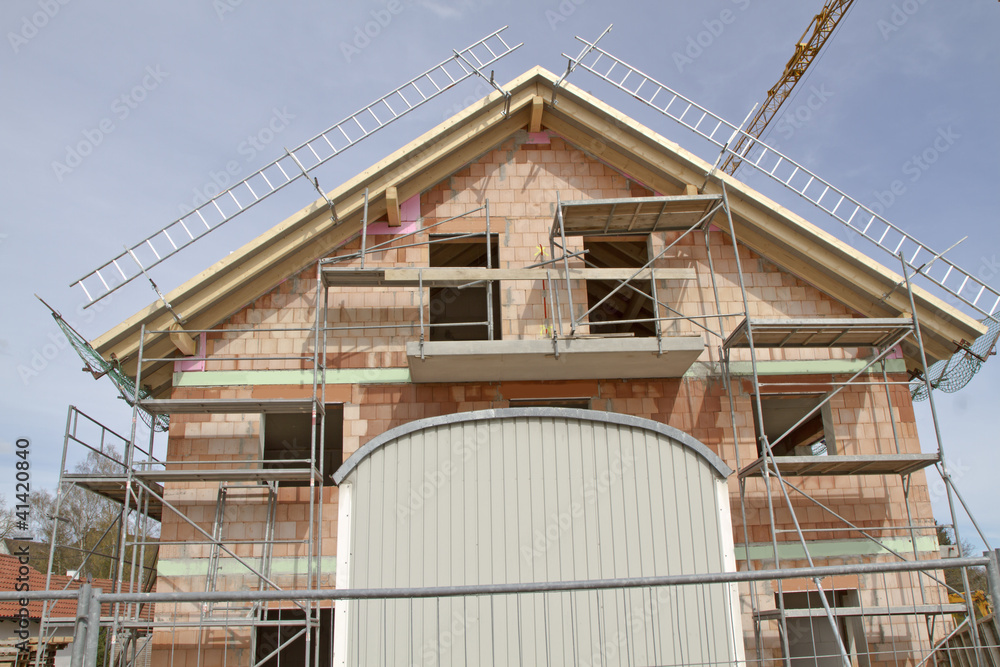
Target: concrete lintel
point(579, 359)
point(402, 375)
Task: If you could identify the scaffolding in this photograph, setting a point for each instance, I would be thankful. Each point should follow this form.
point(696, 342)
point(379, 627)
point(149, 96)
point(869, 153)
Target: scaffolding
point(752, 335)
point(685, 215)
point(894, 592)
point(139, 483)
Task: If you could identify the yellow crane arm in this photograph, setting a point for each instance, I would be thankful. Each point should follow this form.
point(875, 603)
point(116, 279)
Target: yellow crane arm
point(806, 50)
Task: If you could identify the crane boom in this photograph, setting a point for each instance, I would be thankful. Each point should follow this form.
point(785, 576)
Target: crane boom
point(815, 36)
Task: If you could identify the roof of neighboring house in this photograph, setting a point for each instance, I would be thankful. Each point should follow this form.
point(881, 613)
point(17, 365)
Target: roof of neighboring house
point(762, 225)
point(10, 568)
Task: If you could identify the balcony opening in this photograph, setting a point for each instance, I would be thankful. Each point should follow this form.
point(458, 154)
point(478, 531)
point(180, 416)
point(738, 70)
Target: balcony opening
point(453, 309)
point(287, 440)
point(617, 314)
point(813, 437)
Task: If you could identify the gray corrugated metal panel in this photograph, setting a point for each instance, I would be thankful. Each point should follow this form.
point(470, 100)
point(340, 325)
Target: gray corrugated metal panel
point(565, 413)
point(536, 498)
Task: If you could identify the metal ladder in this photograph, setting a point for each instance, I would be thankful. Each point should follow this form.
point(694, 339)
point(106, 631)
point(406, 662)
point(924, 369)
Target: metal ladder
point(215, 554)
point(859, 218)
point(296, 163)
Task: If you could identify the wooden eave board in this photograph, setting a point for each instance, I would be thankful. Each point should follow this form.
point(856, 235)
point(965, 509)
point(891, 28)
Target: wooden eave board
point(452, 277)
point(636, 215)
point(875, 464)
point(762, 225)
point(167, 406)
point(818, 332)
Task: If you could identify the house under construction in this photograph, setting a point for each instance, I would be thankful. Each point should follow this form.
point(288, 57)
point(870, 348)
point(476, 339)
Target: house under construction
point(540, 387)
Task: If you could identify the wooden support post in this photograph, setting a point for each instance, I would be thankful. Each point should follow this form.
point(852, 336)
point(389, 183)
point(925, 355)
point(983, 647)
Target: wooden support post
point(536, 114)
point(690, 190)
point(392, 206)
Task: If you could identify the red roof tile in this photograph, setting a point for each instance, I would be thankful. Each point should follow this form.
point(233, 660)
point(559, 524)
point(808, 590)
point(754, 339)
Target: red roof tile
point(10, 566)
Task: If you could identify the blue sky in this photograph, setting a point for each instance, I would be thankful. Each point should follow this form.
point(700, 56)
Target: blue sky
point(163, 96)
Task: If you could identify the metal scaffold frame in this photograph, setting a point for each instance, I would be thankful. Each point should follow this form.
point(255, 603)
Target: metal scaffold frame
point(884, 336)
point(138, 488)
point(945, 632)
point(889, 336)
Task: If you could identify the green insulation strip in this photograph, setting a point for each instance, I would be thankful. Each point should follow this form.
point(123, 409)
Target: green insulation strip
point(838, 548)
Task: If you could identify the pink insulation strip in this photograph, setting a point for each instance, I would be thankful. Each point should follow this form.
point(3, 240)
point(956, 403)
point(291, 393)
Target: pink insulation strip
point(409, 214)
point(196, 363)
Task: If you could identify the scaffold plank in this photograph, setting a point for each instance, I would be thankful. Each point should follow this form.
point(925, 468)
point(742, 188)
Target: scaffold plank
point(634, 215)
point(875, 464)
point(818, 332)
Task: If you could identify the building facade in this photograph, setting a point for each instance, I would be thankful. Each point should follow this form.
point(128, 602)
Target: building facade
point(536, 346)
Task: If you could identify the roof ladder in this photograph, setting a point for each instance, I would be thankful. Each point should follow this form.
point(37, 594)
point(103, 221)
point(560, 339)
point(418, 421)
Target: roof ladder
point(859, 218)
point(187, 229)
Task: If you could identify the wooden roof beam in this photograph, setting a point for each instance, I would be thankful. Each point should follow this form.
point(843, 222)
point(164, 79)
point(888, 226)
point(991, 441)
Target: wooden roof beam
point(537, 105)
point(392, 206)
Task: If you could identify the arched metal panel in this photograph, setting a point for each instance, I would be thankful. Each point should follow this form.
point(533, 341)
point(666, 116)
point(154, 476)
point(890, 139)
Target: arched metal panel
point(681, 437)
point(535, 495)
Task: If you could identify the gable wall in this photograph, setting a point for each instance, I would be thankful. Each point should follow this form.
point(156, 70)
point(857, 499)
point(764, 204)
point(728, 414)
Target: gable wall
point(520, 180)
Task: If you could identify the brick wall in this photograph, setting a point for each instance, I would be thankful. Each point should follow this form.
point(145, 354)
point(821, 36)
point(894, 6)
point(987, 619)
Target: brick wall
point(520, 180)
